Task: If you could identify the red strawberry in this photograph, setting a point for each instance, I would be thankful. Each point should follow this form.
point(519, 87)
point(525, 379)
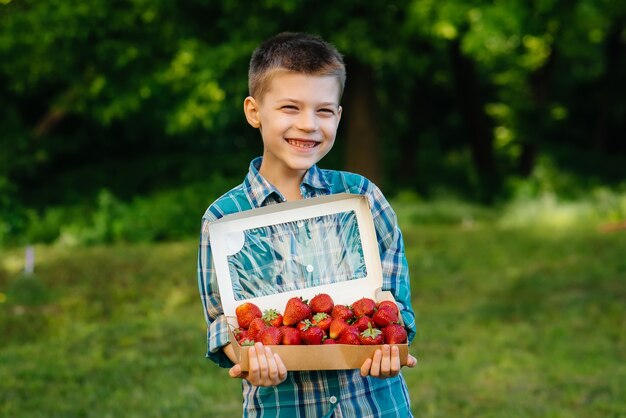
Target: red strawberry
point(272, 317)
point(350, 335)
point(390, 304)
point(363, 306)
point(342, 311)
point(246, 342)
point(329, 341)
point(255, 327)
point(322, 303)
point(336, 327)
point(362, 323)
point(312, 335)
point(322, 320)
point(291, 336)
point(246, 312)
point(385, 316)
point(300, 326)
point(371, 336)
point(394, 334)
point(269, 336)
point(295, 311)
point(240, 334)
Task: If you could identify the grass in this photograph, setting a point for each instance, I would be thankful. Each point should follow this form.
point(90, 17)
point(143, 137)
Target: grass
point(512, 322)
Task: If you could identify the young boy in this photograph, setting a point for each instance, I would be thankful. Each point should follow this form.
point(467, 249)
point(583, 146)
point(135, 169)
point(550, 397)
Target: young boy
point(296, 82)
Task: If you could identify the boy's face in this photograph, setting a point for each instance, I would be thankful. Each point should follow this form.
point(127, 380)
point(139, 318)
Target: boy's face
point(298, 118)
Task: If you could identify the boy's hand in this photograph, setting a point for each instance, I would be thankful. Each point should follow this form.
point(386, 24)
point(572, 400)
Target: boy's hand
point(265, 368)
point(385, 363)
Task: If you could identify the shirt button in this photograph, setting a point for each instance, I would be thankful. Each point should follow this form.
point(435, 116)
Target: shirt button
point(309, 268)
point(333, 400)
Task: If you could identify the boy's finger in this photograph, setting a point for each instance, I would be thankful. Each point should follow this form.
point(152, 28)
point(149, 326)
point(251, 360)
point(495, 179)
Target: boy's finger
point(253, 368)
point(411, 361)
point(385, 363)
point(395, 360)
point(272, 369)
point(263, 367)
point(365, 368)
point(282, 370)
point(235, 371)
point(375, 370)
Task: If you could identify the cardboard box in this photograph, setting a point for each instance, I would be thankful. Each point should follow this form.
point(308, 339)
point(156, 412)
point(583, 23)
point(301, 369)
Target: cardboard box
point(235, 239)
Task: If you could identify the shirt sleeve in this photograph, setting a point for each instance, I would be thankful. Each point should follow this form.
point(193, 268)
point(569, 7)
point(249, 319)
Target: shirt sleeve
point(394, 264)
point(217, 326)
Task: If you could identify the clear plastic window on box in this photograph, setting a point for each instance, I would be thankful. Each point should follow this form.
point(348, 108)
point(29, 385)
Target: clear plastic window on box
point(297, 255)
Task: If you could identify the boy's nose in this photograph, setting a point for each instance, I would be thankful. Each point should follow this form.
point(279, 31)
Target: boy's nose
point(307, 122)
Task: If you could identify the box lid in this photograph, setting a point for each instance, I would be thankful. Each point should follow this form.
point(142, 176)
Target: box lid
point(293, 249)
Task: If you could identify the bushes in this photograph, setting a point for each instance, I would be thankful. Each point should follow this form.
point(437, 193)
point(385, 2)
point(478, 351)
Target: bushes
point(165, 215)
point(176, 213)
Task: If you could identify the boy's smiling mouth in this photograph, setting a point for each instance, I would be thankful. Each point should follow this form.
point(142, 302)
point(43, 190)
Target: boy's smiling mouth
point(302, 143)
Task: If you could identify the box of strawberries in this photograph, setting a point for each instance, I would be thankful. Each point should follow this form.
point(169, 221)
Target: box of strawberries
point(305, 278)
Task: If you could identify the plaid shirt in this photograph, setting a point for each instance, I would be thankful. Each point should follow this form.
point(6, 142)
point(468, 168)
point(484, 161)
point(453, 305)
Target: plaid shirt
point(341, 393)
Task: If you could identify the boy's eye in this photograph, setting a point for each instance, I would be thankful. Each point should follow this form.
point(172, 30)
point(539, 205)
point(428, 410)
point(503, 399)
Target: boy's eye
point(328, 111)
point(289, 107)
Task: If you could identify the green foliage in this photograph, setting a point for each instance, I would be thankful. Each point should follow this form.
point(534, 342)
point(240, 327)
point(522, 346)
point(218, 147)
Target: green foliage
point(444, 210)
point(105, 95)
point(166, 215)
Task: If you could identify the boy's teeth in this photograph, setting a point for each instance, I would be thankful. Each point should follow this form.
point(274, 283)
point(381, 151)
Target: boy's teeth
point(302, 144)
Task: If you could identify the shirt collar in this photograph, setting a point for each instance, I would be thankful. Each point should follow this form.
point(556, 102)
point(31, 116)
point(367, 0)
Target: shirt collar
point(259, 189)
point(314, 177)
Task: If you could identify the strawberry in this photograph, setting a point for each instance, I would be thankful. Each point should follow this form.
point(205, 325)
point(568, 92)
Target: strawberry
point(390, 304)
point(272, 317)
point(394, 334)
point(269, 336)
point(240, 334)
point(295, 311)
point(362, 323)
point(291, 336)
point(363, 306)
point(336, 327)
point(255, 327)
point(385, 316)
point(341, 311)
point(322, 303)
point(246, 312)
point(329, 341)
point(322, 320)
point(371, 336)
point(300, 326)
point(312, 335)
point(246, 342)
point(350, 335)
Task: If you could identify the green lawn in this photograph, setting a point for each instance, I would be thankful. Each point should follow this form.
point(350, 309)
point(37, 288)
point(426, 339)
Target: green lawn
point(511, 323)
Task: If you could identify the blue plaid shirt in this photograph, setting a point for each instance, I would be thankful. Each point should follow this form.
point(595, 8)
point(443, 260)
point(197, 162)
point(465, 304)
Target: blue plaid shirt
point(340, 393)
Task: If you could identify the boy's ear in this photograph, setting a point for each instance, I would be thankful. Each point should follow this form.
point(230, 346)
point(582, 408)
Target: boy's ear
point(251, 109)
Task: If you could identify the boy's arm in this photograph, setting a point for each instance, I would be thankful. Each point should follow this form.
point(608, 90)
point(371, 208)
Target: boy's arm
point(217, 326)
point(394, 264)
point(386, 362)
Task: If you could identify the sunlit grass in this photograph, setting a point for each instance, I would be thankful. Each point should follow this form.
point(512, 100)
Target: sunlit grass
point(512, 322)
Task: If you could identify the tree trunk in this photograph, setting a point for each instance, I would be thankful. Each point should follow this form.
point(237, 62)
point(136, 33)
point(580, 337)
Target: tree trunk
point(536, 119)
point(471, 106)
point(360, 116)
point(614, 48)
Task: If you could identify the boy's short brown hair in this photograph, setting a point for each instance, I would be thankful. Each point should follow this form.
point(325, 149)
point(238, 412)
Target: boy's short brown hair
point(297, 52)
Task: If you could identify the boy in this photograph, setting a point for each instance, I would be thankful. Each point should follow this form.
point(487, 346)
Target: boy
point(296, 81)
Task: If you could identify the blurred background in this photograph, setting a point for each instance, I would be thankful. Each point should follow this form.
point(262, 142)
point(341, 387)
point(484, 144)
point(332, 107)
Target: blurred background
point(496, 128)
